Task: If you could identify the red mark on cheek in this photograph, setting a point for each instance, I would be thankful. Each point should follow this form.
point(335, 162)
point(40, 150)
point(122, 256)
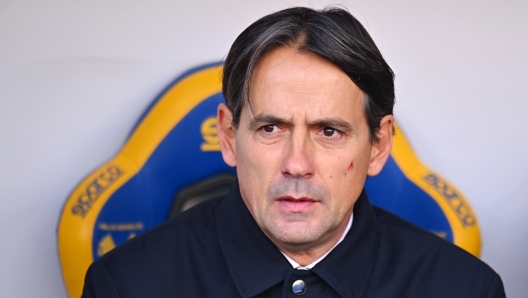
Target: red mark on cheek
point(350, 167)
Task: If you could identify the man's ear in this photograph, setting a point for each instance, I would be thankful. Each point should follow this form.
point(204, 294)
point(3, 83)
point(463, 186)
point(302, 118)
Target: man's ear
point(381, 149)
point(226, 134)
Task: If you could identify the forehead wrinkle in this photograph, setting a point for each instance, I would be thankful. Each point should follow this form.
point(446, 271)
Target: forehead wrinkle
point(294, 86)
point(309, 88)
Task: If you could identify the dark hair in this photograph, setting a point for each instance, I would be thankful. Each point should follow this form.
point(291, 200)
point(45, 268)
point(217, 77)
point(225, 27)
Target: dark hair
point(333, 34)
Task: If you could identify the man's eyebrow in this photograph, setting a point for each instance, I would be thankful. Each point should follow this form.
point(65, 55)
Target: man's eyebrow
point(258, 120)
point(336, 123)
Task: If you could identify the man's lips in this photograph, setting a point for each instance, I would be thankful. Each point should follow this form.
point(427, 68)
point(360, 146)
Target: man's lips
point(296, 205)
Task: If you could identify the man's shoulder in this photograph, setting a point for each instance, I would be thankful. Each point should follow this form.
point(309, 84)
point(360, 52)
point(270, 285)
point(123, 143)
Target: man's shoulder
point(407, 250)
point(162, 261)
point(188, 230)
point(405, 236)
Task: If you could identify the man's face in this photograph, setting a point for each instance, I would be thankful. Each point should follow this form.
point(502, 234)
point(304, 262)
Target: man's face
point(302, 149)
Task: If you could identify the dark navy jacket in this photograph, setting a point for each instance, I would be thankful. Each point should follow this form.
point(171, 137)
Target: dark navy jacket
point(217, 250)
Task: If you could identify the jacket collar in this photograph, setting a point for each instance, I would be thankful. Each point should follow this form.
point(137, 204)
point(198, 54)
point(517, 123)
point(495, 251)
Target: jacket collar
point(349, 266)
point(256, 264)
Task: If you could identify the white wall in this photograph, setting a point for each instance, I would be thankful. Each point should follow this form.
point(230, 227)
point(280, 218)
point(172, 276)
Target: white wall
point(75, 76)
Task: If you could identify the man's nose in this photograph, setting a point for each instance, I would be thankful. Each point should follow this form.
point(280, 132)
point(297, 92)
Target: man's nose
point(298, 159)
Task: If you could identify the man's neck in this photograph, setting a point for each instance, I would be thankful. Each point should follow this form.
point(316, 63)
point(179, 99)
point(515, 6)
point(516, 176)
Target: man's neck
point(307, 258)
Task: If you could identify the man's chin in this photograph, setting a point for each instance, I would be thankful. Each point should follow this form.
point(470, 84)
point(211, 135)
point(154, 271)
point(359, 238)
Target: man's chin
point(296, 233)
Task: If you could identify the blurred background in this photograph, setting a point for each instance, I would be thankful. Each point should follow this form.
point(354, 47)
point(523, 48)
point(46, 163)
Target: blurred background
point(75, 76)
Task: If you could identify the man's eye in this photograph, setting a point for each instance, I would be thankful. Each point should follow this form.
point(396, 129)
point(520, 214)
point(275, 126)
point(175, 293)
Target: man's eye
point(330, 132)
point(269, 128)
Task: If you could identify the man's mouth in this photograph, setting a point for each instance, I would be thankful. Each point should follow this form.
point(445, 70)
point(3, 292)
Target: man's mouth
point(296, 205)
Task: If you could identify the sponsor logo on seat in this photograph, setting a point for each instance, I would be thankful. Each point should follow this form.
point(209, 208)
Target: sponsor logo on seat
point(104, 179)
point(452, 197)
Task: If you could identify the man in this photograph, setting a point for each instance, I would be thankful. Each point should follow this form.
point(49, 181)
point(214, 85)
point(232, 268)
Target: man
point(308, 117)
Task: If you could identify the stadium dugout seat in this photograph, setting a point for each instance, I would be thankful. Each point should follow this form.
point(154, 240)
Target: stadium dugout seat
point(171, 161)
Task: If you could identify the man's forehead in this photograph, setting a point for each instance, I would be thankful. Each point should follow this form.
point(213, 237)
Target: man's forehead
point(288, 70)
point(299, 66)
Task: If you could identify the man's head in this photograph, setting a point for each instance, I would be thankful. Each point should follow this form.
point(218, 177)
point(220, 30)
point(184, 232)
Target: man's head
point(308, 117)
